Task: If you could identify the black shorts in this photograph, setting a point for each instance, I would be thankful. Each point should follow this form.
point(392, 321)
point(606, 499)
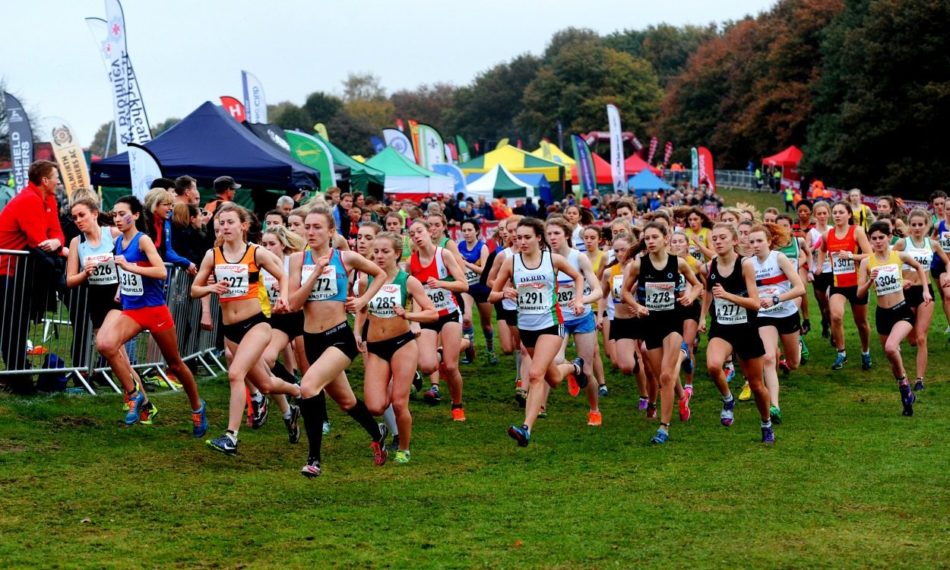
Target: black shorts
point(100, 301)
point(385, 349)
point(626, 328)
point(510, 317)
point(937, 268)
point(784, 325)
point(823, 282)
point(290, 324)
point(339, 337)
point(658, 326)
point(692, 312)
point(885, 319)
point(479, 292)
point(452, 317)
point(851, 294)
point(530, 338)
point(744, 339)
point(914, 295)
point(235, 331)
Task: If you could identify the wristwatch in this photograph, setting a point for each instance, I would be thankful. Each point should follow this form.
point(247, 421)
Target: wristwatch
point(775, 300)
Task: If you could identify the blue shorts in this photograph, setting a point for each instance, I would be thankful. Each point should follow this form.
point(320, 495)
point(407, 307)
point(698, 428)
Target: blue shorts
point(582, 325)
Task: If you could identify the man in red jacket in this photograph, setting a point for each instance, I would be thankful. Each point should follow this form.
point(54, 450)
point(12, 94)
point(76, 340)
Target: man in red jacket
point(29, 220)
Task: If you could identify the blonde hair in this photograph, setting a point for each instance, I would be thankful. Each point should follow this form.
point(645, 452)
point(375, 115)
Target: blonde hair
point(289, 241)
point(85, 194)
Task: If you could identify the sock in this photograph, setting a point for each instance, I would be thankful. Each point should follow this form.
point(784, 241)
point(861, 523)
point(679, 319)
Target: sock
point(258, 397)
point(517, 363)
point(361, 414)
point(688, 387)
point(313, 411)
point(279, 371)
point(767, 424)
point(232, 435)
point(468, 332)
point(490, 340)
point(865, 353)
point(456, 406)
point(727, 397)
point(389, 416)
point(842, 352)
point(287, 415)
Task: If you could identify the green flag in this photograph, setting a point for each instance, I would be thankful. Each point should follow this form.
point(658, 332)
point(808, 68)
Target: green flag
point(312, 150)
point(464, 154)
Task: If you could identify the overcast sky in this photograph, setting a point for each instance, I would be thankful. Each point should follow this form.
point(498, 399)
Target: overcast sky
point(186, 52)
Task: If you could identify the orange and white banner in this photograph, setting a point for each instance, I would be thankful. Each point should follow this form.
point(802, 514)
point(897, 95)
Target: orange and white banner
point(68, 153)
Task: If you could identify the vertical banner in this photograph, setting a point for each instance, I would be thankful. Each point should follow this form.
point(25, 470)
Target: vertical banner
point(72, 162)
point(432, 148)
point(546, 150)
point(451, 155)
point(585, 165)
point(667, 153)
point(464, 155)
point(234, 108)
point(321, 130)
point(653, 144)
point(502, 142)
point(400, 143)
point(313, 151)
point(21, 139)
point(616, 149)
point(144, 169)
point(414, 135)
point(694, 156)
point(378, 145)
point(707, 172)
point(255, 105)
point(400, 126)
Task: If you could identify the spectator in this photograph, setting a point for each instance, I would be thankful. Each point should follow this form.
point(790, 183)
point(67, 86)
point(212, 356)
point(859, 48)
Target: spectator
point(224, 187)
point(186, 227)
point(483, 209)
point(158, 226)
point(285, 204)
point(275, 217)
point(186, 190)
point(341, 213)
point(29, 220)
point(530, 209)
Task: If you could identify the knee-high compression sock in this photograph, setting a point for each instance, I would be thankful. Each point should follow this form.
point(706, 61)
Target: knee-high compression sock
point(389, 416)
point(490, 340)
point(279, 371)
point(468, 332)
point(517, 363)
point(313, 411)
point(361, 414)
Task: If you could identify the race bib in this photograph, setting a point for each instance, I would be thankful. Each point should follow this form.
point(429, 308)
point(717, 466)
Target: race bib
point(534, 299)
point(767, 292)
point(696, 253)
point(471, 277)
point(945, 241)
point(565, 295)
point(616, 289)
point(130, 284)
point(888, 279)
point(660, 296)
point(269, 282)
point(105, 272)
point(728, 313)
point(842, 266)
point(441, 298)
point(383, 304)
point(235, 275)
point(325, 285)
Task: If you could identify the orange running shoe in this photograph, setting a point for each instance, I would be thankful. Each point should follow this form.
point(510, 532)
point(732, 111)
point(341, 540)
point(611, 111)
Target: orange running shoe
point(594, 418)
point(458, 414)
point(573, 388)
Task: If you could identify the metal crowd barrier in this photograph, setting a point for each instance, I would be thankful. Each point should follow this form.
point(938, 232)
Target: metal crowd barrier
point(45, 331)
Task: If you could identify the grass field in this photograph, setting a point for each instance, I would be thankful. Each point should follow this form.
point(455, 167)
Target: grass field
point(850, 482)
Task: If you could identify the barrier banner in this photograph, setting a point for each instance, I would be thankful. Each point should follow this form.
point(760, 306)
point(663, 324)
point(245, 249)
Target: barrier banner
point(585, 165)
point(143, 168)
point(72, 162)
point(255, 106)
point(21, 139)
point(234, 108)
point(616, 149)
point(399, 142)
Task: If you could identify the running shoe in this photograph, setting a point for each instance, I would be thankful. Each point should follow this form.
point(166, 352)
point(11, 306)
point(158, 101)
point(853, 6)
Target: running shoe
point(727, 415)
point(311, 469)
point(148, 413)
point(135, 407)
point(908, 398)
point(432, 395)
point(806, 326)
point(688, 389)
point(327, 427)
point(520, 434)
point(402, 456)
point(417, 381)
point(258, 412)
point(470, 351)
point(806, 354)
point(643, 404)
point(746, 393)
point(224, 444)
point(685, 412)
point(594, 418)
point(543, 413)
point(730, 373)
point(840, 359)
point(602, 391)
point(687, 361)
point(776, 415)
point(199, 421)
point(293, 428)
point(393, 446)
point(492, 360)
point(379, 446)
point(865, 361)
point(458, 414)
point(783, 366)
point(651, 411)
point(919, 385)
point(768, 436)
point(577, 381)
point(661, 437)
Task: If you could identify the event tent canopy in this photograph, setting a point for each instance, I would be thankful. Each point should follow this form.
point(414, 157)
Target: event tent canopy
point(209, 143)
point(635, 164)
point(407, 179)
point(556, 154)
point(645, 182)
point(518, 161)
point(602, 173)
point(789, 157)
point(499, 183)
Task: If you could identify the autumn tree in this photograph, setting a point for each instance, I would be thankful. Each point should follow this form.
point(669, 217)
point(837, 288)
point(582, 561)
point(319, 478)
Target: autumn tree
point(426, 104)
point(666, 47)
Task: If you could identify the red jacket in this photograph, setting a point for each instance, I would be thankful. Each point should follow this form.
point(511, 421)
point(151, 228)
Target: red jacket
point(26, 221)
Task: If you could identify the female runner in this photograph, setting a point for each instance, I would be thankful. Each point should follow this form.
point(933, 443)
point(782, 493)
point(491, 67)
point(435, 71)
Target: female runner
point(246, 330)
point(533, 271)
point(474, 253)
point(592, 237)
point(846, 244)
point(656, 276)
point(319, 284)
point(819, 272)
point(778, 284)
point(506, 312)
point(679, 247)
point(924, 250)
point(733, 330)
point(697, 233)
point(390, 348)
point(141, 283)
point(893, 317)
